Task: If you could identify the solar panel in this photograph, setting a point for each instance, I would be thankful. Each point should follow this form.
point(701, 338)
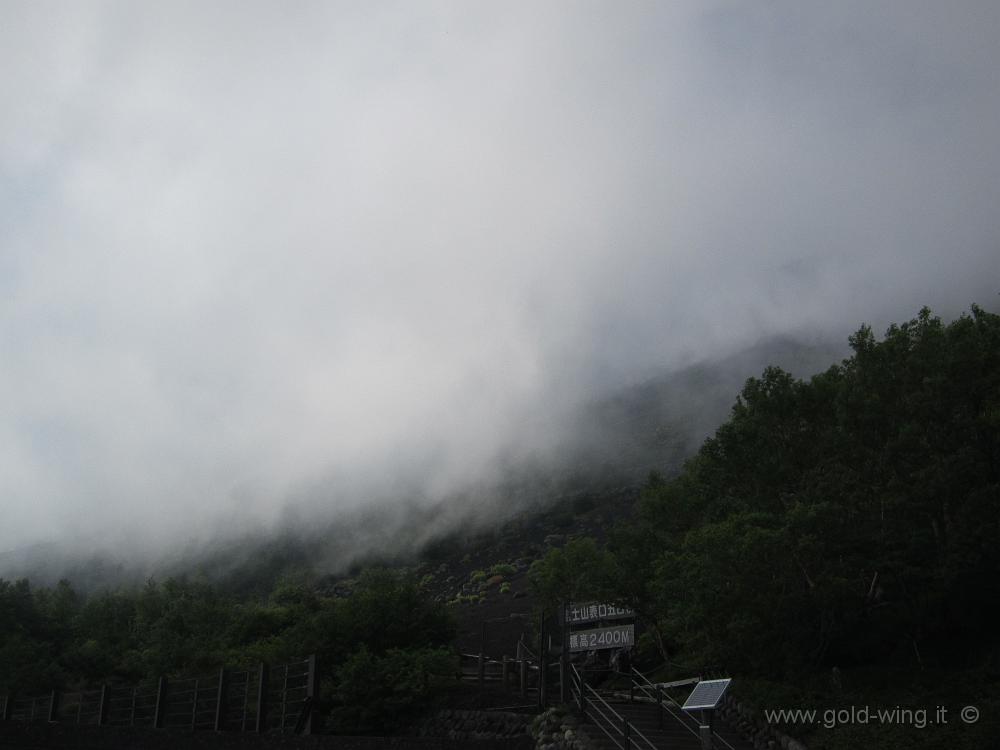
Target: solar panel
point(706, 695)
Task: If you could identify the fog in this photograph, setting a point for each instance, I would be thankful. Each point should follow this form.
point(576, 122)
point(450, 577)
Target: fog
point(262, 261)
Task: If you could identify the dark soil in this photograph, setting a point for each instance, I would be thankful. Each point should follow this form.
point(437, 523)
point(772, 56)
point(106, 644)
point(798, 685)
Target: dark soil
point(504, 603)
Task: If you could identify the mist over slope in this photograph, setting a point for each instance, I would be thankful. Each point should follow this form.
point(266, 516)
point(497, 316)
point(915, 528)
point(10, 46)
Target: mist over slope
point(264, 268)
point(612, 441)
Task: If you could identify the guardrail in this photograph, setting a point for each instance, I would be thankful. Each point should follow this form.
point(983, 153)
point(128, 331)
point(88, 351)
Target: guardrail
point(523, 670)
point(623, 733)
point(278, 699)
point(656, 692)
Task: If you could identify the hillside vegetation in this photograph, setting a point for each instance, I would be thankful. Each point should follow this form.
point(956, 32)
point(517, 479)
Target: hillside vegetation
point(836, 536)
point(385, 649)
point(834, 543)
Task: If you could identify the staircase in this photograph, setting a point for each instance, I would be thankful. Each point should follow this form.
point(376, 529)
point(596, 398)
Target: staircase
point(617, 722)
point(655, 729)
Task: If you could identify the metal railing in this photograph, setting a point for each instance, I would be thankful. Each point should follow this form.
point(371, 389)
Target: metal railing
point(657, 694)
point(622, 732)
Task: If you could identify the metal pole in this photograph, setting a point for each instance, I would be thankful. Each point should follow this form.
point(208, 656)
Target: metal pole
point(542, 661)
point(161, 702)
point(522, 667)
point(563, 659)
point(706, 737)
point(102, 707)
point(246, 702)
point(482, 663)
point(311, 695)
point(705, 730)
point(220, 701)
point(284, 698)
point(54, 706)
point(262, 699)
point(194, 704)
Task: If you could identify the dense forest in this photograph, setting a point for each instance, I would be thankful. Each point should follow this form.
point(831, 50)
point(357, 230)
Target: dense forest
point(386, 630)
point(836, 540)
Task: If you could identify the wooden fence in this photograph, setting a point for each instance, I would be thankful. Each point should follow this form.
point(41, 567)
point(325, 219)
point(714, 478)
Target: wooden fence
point(276, 699)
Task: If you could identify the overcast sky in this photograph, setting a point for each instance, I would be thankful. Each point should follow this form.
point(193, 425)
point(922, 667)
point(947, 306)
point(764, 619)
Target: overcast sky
point(251, 249)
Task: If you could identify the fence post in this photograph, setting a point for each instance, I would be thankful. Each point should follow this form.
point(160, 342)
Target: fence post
point(54, 706)
point(563, 653)
point(220, 701)
point(194, 703)
point(310, 695)
point(543, 658)
point(262, 700)
point(161, 703)
point(505, 674)
point(8, 702)
point(522, 669)
point(102, 707)
point(659, 706)
point(482, 663)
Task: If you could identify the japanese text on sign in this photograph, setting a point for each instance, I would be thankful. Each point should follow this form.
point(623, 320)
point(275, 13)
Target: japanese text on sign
point(594, 611)
point(619, 636)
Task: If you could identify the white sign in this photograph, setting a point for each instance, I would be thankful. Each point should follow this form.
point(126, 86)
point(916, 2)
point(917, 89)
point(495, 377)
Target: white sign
point(618, 636)
point(577, 614)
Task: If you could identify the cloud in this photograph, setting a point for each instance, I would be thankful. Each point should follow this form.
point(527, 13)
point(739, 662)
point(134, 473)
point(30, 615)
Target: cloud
point(254, 255)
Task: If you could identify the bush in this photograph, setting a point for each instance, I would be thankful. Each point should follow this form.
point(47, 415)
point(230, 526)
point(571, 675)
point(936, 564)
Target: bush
point(381, 694)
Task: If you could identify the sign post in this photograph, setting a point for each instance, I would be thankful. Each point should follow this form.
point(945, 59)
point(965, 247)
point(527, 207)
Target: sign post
point(612, 627)
point(563, 655)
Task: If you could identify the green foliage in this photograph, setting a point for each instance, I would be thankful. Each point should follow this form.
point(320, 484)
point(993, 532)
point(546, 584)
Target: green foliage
point(477, 576)
point(505, 587)
point(503, 569)
point(55, 638)
point(851, 518)
point(577, 571)
point(374, 692)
